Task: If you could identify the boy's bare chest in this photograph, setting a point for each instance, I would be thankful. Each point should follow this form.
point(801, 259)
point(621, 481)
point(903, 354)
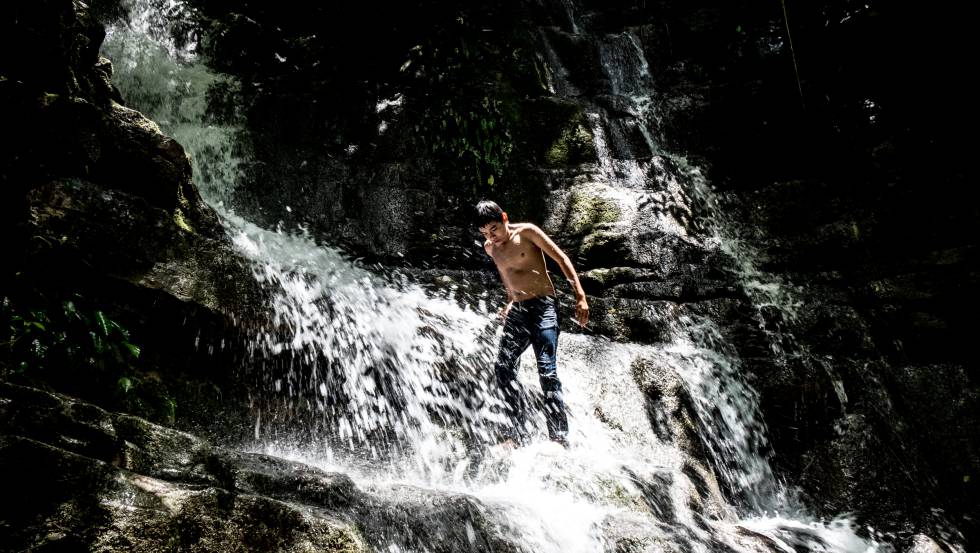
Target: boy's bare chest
point(517, 254)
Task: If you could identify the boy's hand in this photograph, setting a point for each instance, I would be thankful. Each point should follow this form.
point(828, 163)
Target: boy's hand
point(505, 311)
point(582, 311)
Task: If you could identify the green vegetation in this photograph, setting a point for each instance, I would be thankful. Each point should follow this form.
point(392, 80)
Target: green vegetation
point(463, 109)
point(63, 342)
point(40, 337)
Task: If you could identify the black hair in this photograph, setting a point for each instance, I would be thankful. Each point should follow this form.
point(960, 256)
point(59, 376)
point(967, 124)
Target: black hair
point(487, 212)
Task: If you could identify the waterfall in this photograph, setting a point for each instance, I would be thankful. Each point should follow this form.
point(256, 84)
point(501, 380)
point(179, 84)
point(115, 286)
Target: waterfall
point(395, 384)
point(728, 410)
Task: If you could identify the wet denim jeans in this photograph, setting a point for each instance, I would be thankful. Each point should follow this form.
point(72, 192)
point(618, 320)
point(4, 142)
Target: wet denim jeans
point(532, 322)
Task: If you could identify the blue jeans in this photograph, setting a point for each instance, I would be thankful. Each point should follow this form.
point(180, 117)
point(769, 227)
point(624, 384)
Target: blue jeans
point(532, 322)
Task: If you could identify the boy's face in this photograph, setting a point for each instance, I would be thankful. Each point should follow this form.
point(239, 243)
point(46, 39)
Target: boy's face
point(495, 232)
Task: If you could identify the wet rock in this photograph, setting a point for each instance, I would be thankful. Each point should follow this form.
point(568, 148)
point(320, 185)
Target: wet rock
point(559, 132)
point(922, 543)
point(631, 534)
point(586, 73)
point(856, 450)
point(104, 482)
point(123, 236)
point(628, 319)
point(442, 522)
point(152, 272)
point(70, 122)
point(669, 406)
point(588, 207)
point(672, 415)
point(876, 313)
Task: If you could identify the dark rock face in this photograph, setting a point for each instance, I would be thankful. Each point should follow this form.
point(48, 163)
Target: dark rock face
point(97, 202)
point(847, 205)
point(841, 190)
point(844, 204)
point(402, 141)
point(67, 120)
point(80, 216)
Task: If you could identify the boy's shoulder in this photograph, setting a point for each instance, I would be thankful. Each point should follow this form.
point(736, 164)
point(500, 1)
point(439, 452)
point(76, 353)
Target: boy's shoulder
point(523, 227)
point(532, 232)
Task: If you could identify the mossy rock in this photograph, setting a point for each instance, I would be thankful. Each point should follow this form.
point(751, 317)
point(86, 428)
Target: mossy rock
point(587, 209)
point(604, 248)
point(571, 147)
point(558, 133)
point(596, 281)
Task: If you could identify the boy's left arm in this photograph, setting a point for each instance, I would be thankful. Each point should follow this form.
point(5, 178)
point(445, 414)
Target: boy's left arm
point(541, 240)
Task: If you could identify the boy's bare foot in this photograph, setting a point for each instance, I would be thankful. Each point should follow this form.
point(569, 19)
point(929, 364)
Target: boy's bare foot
point(508, 444)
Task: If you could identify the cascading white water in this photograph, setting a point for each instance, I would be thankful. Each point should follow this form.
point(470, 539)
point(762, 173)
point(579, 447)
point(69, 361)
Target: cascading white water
point(399, 380)
point(330, 314)
point(732, 428)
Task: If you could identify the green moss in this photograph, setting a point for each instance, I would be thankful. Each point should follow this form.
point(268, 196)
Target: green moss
point(181, 221)
point(48, 98)
point(183, 206)
point(588, 210)
point(611, 276)
point(570, 147)
point(346, 540)
point(557, 131)
point(600, 276)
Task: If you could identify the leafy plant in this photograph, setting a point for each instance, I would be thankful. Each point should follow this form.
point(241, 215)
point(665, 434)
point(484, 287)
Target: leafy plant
point(68, 344)
point(461, 113)
point(39, 337)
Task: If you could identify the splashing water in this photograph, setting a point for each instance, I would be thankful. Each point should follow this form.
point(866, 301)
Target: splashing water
point(395, 383)
point(377, 354)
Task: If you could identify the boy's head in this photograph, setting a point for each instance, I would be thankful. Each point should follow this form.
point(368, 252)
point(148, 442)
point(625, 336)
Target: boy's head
point(488, 212)
point(491, 220)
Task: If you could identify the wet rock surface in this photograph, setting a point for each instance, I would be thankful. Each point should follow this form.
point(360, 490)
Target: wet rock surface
point(111, 482)
point(879, 335)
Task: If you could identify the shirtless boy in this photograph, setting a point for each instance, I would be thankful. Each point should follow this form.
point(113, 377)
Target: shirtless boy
point(531, 314)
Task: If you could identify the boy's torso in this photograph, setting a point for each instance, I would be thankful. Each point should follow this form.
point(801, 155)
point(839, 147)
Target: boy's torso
point(522, 266)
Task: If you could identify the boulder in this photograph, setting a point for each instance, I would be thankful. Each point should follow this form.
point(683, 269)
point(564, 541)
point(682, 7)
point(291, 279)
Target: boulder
point(101, 481)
